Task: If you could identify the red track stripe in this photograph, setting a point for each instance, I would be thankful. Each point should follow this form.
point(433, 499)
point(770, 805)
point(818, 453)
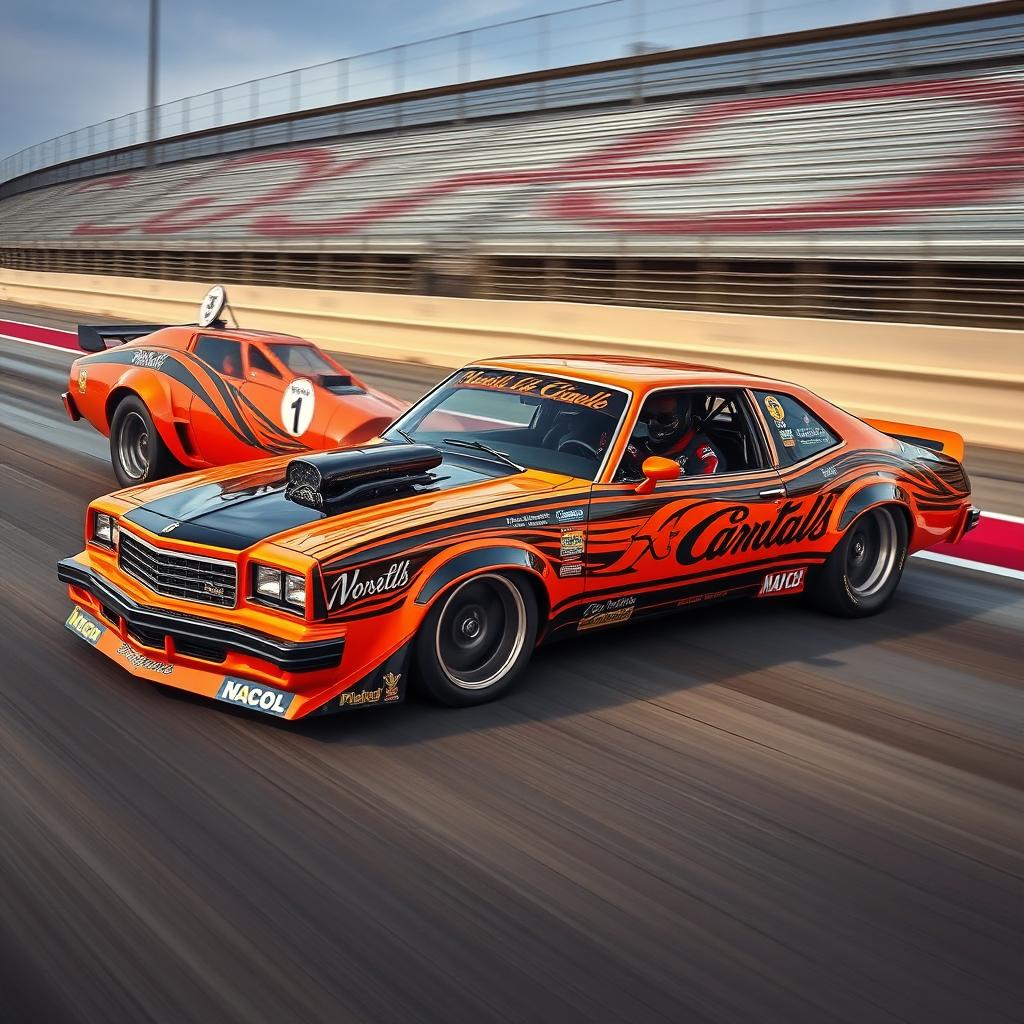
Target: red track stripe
point(40, 335)
point(992, 541)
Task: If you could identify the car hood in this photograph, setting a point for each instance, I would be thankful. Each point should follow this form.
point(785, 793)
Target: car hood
point(234, 511)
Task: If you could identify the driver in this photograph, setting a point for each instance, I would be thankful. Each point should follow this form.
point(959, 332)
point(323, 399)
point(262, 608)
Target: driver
point(671, 432)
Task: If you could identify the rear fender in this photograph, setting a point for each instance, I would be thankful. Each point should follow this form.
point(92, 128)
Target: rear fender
point(945, 441)
point(882, 492)
point(157, 396)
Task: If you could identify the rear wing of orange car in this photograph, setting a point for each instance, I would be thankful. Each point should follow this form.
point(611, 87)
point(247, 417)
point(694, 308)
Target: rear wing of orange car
point(945, 441)
point(95, 337)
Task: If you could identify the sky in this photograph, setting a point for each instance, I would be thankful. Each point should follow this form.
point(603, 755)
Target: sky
point(65, 64)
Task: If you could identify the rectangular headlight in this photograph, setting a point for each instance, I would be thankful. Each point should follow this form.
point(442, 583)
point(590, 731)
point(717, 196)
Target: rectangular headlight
point(104, 529)
point(268, 582)
point(295, 590)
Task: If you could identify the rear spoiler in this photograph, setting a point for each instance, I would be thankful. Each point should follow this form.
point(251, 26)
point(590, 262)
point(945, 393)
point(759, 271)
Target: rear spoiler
point(94, 338)
point(944, 441)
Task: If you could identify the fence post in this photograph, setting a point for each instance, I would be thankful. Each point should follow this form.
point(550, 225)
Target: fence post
point(755, 29)
point(398, 80)
point(542, 54)
point(639, 22)
point(296, 90)
point(341, 91)
point(218, 107)
point(464, 70)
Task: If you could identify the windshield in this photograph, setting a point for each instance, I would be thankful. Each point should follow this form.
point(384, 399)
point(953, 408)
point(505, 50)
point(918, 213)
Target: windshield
point(551, 423)
point(302, 359)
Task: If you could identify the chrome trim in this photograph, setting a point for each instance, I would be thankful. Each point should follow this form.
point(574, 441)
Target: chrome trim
point(126, 561)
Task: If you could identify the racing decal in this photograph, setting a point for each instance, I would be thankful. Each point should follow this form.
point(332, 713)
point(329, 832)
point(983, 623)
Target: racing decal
point(528, 519)
point(83, 377)
point(790, 582)
point(570, 392)
point(255, 696)
point(775, 410)
point(607, 613)
point(298, 403)
point(568, 569)
point(391, 681)
point(572, 545)
point(354, 585)
point(570, 515)
point(350, 699)
point(149, 359)
point(142, 661)
point(85, 626)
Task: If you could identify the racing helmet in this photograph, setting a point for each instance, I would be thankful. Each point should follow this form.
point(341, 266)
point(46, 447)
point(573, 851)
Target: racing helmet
point(667, 416)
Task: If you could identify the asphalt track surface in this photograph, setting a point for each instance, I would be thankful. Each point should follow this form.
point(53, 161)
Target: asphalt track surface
point(754, 813)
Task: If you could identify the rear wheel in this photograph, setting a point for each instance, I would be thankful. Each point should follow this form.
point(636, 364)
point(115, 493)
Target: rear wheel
point(137, 452)
point(477, 639)
point(862, 574)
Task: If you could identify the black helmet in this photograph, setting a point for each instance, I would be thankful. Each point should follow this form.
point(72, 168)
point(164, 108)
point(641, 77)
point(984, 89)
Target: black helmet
point(666, 416)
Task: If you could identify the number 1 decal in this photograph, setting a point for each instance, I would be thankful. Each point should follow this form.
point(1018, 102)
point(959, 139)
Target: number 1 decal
point(298, 404)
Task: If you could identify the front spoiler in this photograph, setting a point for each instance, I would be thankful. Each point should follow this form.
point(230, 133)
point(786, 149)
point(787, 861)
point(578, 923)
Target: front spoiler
point(285, 655)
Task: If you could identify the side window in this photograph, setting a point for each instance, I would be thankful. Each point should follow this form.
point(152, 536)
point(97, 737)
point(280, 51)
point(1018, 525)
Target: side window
point(222, 354)
point(258, 361)
point(797, 432)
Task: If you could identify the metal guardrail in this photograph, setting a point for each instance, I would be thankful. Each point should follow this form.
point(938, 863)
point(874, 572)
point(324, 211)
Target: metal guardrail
point(594, 32)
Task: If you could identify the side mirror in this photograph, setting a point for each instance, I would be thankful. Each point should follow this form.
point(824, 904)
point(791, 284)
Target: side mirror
point(655, 468)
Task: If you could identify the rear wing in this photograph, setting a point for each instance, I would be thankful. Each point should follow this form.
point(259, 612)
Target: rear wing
point(945, 441)
point(95, 338)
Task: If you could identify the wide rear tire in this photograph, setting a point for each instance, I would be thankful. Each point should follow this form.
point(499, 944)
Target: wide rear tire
point(137, 452)
point(477, 639)
point(863, 572)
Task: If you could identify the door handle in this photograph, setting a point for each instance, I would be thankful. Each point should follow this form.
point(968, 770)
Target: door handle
point(772, 492)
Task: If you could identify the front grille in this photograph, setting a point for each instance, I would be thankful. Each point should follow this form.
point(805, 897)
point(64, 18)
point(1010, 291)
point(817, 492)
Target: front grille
point(172, 574)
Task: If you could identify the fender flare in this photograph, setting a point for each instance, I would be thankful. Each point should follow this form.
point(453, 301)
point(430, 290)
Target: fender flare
point(881, 492)
point(490, 557)
point(155, 396)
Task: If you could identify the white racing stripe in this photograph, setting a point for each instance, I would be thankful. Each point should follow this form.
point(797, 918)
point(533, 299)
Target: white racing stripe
point(966, 563)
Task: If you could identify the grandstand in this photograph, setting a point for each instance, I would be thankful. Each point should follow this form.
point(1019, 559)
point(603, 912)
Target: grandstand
point(873, 171)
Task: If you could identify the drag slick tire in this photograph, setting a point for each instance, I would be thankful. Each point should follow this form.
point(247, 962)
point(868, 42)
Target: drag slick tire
point(863, 572)
point(137, 452)
point(477, 639)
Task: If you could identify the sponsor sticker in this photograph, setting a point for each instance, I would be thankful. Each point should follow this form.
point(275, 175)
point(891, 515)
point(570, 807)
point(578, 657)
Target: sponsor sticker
point(349, 699)
point(150, 360)
point(829, 471)
point(572, 544)
point(607, 613)
point(85, 626)
point(391, 681)
point(774, 407)
point(787, 582)
point(569, 515)
point(83, 377)
point(139, 660)
point(529, 519)
point(570, 569)
point(254, 696)
point(298, 403)
point(353, 585)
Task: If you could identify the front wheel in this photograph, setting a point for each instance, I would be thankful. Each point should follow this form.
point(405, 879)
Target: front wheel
point(137, 452)
point(477, 639)
point(862, 573)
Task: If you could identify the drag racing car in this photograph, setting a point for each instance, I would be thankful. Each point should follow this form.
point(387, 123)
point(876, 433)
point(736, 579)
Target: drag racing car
point(183, 397)
point(521, 501)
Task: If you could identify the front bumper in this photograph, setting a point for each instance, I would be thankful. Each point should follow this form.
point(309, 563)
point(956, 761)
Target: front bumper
point(153, 628)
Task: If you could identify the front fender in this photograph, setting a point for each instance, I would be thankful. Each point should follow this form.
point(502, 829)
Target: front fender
point(165, 407)
point(492, 556)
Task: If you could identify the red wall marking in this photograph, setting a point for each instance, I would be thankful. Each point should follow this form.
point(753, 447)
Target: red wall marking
point(992, 541)
point(39, 335)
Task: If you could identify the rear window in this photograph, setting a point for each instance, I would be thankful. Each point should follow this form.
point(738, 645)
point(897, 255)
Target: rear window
point(301, 359)
point(797, 432)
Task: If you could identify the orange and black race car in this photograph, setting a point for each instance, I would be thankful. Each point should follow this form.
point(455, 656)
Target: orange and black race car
point(197, 395)
point(519, 502)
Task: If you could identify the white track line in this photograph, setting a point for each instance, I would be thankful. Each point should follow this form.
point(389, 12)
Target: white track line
point(966, 563)
point(1002, 516)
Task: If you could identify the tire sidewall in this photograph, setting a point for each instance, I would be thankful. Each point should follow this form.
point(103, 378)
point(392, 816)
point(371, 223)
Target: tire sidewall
point(134, 404)
point(432, 676)
point(834, 588)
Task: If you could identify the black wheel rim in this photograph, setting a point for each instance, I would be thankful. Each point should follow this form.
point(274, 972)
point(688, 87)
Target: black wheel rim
point(481, 631)
point(133, 446)
point(872, 552)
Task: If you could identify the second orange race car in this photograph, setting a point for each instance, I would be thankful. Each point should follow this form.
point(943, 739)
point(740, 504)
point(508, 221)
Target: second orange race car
point(190, 396)
point(519, 502)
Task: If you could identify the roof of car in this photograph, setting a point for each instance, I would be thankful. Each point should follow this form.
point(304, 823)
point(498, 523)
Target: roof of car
point(630, 371)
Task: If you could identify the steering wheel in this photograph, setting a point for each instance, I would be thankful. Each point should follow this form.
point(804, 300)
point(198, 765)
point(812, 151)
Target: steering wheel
point(573, 446)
